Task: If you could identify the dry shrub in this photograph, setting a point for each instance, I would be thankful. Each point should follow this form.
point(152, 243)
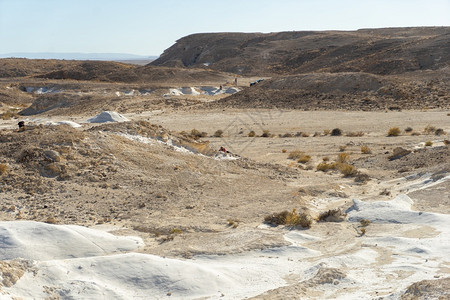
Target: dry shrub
point(343, 157)
point(365, 150)
point(218, 133)
point(346, 169)
point(325, 167)
point(446, 142)
point(342, 148)
point(336, 132)
point(429, 129)
point(394, 131)
point(415, 133)
point(8, 115)
point(283, 150)
point(439, 131)
point(361, 178)
point(325, 158)
point(290, 219)
point(3, 168)
point(355, 134)
point(175, 231)
point(408, 129)
point(326, 132)
point(196, 134)
point(364, 222)
point(428, 143)
point(305, 134)
point(287, 135)
point(332, 215)
point(296, 154)
point(304, 159)
point(266, 133)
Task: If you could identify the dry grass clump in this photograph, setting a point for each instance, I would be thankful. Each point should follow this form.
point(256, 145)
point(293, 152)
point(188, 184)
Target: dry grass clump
point(283, 150)
point(429, 129)
point(347, 169)
point(296, 154)
point(355, 134)
point(332, 215)
point(305, 134)
point(196, 134)
point(234, 223)
point(342, 148)
point(252, 134)
point(3, 168)
point(8, 115)
point(439, 131)
point(336, 132)
point(325, 167)
point(394, 131)
point(218, 133)
point(266, 133)
point(304, 159)
point(326, 132)
point(365, 150)
point(343, 157)
point(428, 143)
point(289, 219)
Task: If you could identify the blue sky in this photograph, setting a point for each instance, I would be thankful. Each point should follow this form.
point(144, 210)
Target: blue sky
point(148, 27)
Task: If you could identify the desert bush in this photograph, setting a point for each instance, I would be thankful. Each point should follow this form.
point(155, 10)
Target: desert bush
point(290, 219)
point(305, 134)
point(266, 133)
point(439, 131)
point(326, 132)
point(304, 159)
point(332, 215)
point(296, 154)
point(415, 133)
point(428, 143)
point(343, 157)
point(218, 133)
point(347, 169)
point(355, 134)
point(394, 131)
point(252, 134)
point(408, 129)
point(3, 168)
point(196, 134)
point(361, 178)
point(364, 222)
point(8, 115)
point(325, 158)
point(175, 231)
point(365, 150)
point(287, 135)
point(429, 129)
point(336, 132)
point(342, 148)
point(325, 167)
point(233, 222)
point(446, 142)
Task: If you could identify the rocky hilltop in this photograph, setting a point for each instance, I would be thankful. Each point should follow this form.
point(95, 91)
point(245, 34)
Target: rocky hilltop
point(376, 51)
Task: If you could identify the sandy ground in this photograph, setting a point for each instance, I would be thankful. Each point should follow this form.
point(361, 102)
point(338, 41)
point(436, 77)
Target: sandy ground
point(198, 218)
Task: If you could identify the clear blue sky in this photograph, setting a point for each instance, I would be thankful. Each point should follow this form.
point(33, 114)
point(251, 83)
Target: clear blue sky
point(148, 27)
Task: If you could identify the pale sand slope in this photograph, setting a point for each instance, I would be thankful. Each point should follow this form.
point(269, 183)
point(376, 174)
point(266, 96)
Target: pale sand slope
point(331, 260)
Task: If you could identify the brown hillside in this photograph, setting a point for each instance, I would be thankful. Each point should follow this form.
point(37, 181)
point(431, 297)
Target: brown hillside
point(377, 51)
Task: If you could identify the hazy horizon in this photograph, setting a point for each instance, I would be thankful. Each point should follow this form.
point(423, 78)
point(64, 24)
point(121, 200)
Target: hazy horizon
point(147, 28)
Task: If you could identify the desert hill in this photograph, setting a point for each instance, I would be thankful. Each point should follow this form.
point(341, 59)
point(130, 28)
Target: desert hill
point(102, 71)
point(377, 51)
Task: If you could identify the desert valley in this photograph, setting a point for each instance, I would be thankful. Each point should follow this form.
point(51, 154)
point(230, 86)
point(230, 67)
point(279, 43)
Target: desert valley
point(291, 165)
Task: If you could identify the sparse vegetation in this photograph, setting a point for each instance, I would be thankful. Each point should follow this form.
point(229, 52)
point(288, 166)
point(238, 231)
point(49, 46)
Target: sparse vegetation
point(252, 134)
point(365, 150)
point(336, 132)
point(305, 134)
point(326, 132)
point(289, 219)
point(408, 129)
point(304, 159)
point(428, 143)
point(196, 134)
point(332, 215)
point(364, 222)
point(234, 223)
point(429, 129)
point(283, 150)
point(3, 168)
point(325, 167)
point(342, 148)
point(8, 115)
point(355, 134)
point(439, 131)
point(347, 169)
point(175, 231)
point(343, 157)
point(266, 133)
point(296, 154)
point(218, 133)
point(394, 131)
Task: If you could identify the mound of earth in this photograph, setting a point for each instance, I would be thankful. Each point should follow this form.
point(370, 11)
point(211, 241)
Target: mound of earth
point(108, 116)
point(351, 91)
point(377, 51)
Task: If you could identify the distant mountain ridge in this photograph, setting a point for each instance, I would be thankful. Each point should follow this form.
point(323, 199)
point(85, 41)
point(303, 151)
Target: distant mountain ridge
point(78, 56)
point(377, 51)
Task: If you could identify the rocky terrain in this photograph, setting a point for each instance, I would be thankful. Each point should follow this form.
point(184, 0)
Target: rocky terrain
point(336, 184)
